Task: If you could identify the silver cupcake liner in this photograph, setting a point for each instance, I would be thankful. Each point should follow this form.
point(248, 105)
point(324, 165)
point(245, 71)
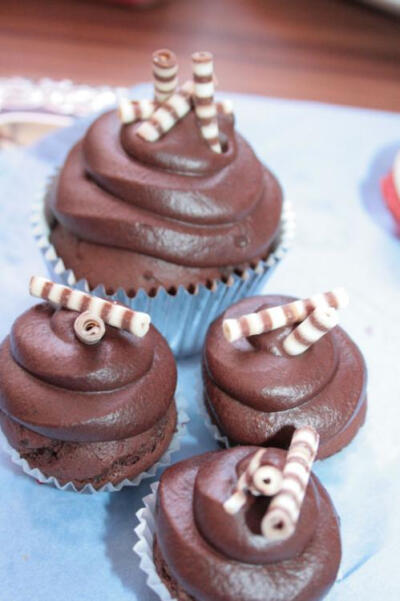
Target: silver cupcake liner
point(145, 532)
point(164, 461)
point(183, 318)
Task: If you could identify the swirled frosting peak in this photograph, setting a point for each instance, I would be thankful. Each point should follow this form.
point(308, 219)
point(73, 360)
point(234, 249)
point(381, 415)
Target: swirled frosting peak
point(59, 387)
point(173, 199)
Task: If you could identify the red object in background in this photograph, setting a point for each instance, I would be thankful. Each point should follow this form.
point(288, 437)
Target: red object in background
point(391, 197)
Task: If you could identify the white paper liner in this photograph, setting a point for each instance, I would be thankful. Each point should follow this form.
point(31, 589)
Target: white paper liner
point(183, 318)
point(164, 461)
point(144, 547)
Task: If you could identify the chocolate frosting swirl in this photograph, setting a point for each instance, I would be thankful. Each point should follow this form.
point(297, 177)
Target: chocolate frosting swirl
point(239, 536)
point(230, 560)
point(257, 393)
point(173, 199)
point(59, 387)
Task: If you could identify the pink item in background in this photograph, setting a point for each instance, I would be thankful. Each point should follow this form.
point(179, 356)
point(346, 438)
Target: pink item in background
point(391, 192)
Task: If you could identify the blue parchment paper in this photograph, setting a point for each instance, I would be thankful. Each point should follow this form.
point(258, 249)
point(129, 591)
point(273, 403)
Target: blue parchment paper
point(70, 547)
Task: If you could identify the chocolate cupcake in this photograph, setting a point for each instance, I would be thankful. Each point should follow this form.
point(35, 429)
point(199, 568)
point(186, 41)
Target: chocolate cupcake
point(275, 544)
point(81, 401)
point(163, 200)
point(272, 364)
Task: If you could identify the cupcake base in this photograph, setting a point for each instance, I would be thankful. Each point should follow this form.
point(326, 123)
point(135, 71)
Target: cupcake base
point(326, 448)
point(118, 268)
point(135, 459)
point(95, 463)
point(173, 587)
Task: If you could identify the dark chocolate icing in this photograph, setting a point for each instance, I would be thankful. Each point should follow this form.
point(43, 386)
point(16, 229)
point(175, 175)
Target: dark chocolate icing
point(173, 199)
point(61, 388)
point(257, 394)
point(218, 557)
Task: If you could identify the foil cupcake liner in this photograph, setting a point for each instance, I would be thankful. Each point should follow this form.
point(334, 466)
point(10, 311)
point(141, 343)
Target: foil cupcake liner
point(164, 461)
point(145, 532)
point(183, 318)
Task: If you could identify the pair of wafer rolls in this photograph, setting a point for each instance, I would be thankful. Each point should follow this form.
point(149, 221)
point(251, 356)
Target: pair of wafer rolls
point(167, 115)
point(165, 74)
point(257, 478)
point(205, 107)
point(267, 320)
point(281, 518)
point(115, 315)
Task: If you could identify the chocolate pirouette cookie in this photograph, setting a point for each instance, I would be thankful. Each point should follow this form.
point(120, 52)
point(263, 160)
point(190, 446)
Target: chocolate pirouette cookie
point(87, 414)
point(203, 553)
point(258, 394)
point(126, 212)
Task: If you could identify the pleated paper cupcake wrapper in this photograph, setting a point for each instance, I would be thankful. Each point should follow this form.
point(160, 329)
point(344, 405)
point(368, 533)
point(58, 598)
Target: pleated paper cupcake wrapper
point(145, 532)
point(182, 318)
point(164, 461)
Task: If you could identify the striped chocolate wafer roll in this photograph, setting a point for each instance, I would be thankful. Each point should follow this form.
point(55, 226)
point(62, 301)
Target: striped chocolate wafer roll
point(165, 71)
point(113, 314)
point(267, 320)
point(89, 328)
point(167, 115)
point(281, 518)
point(310, 330)
point(258, 479)
point(130, 111)
point(204, 105)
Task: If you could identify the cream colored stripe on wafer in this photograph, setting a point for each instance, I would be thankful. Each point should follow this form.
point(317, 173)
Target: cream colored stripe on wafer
point(235, 502)
point(206, 111)
point(210, 131)
point(226, 106)
point(148, 132)
point(165, 72)
point(204, 90)
point(126, 111)
point(36, 286)
point(131, 111)
point(203, 69)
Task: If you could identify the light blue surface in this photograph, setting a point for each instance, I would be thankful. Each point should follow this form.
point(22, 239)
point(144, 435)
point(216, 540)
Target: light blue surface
point(68, 547)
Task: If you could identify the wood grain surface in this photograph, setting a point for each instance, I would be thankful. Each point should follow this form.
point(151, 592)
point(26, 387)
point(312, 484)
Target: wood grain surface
point(331, 50)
